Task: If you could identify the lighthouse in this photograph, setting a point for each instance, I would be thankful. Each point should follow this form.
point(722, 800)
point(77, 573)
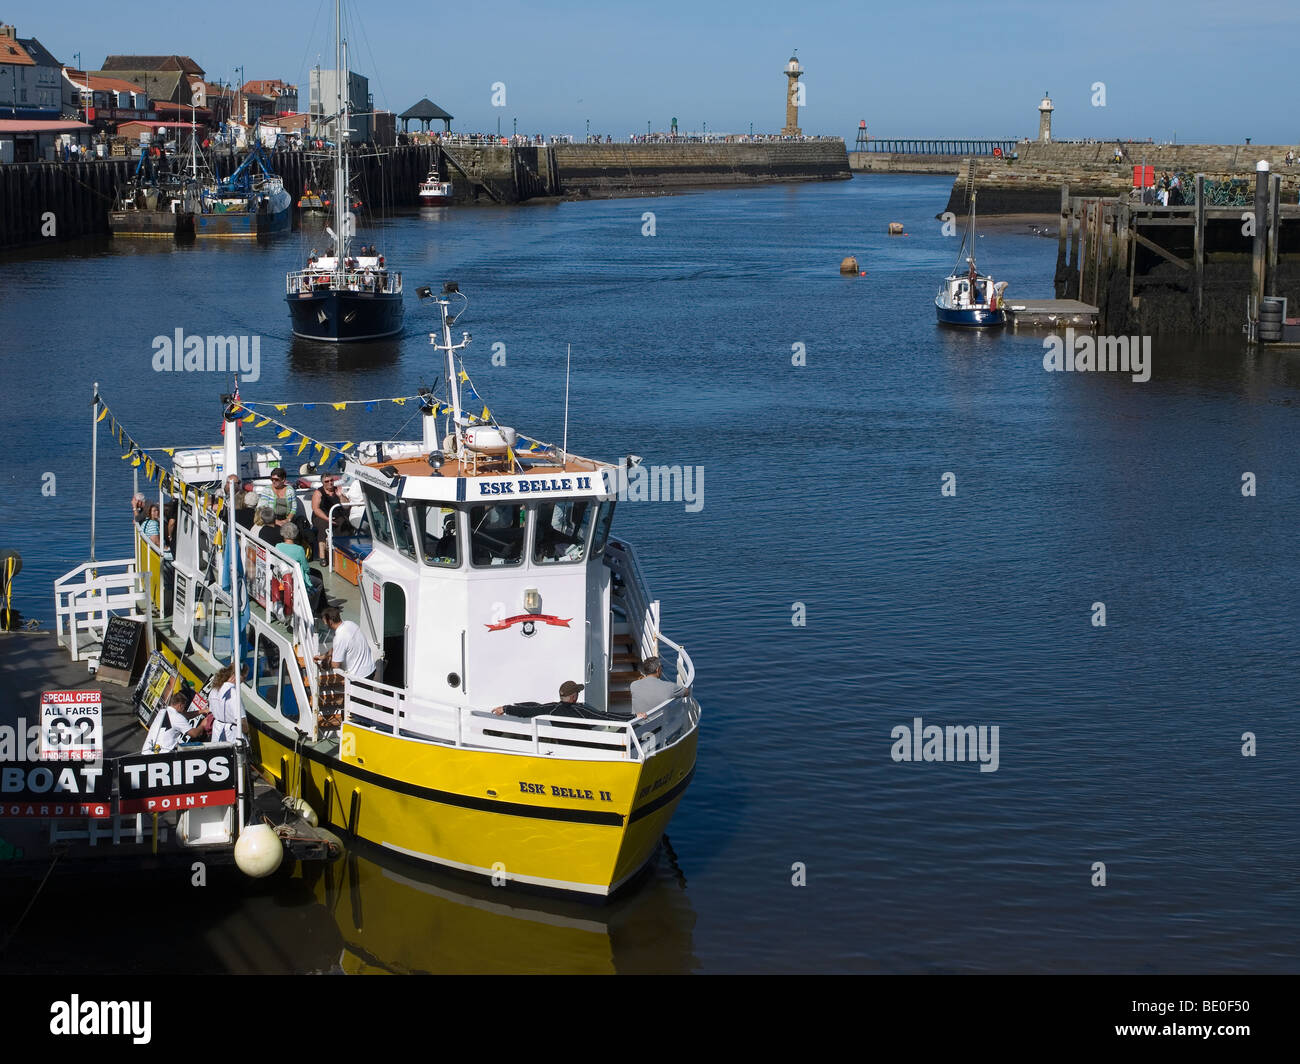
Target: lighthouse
point(793, 98)
point(1045, 110)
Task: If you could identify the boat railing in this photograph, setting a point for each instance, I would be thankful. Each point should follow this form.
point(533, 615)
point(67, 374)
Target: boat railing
point(393, 711)
point(632, 595)
point(267, 565)
point(92, 593)
point(382, 281)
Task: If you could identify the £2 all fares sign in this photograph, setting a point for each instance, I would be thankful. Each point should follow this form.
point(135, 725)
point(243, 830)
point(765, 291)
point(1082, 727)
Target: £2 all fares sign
point(186, 779)
point(72, 725)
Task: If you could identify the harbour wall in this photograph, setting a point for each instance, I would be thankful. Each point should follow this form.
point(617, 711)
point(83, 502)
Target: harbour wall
point(884, 162)
point(78, 196)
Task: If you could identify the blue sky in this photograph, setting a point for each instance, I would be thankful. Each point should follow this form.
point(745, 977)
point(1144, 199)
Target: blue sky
point(916, 69)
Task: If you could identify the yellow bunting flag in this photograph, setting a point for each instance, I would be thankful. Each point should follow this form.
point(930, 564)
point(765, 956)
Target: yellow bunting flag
point(400, 402)
point(251, 417)
point(324, 455)
point(285, 434)
point(102, 414)
point(263, 423)
point(302, 444)
point(340, 406)
point(282, 407)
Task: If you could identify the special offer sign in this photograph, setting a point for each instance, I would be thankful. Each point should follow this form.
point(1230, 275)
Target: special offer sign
point(72, 726)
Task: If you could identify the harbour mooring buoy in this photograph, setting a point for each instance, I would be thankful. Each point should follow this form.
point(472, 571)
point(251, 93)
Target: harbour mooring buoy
point(895, 228)
point(849, 265)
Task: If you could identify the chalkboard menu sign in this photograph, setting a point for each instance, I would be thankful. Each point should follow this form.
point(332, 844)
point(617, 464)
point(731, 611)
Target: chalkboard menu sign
point(120, 655)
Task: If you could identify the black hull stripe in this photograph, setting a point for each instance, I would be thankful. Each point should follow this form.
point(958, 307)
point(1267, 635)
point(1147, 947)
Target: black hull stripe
point(663, 799)
point(429, 794)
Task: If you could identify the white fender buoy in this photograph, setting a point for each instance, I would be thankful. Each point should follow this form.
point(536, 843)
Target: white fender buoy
point(258, 851)
point(299, 807)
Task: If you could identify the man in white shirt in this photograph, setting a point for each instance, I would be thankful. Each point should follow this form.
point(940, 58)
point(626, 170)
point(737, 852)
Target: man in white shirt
point(350, 652)
point(171, 726)
point(652, 689)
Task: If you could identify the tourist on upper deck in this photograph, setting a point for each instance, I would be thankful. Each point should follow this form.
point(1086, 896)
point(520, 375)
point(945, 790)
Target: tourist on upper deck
point(139, 508)
point(246, 509)
point(151, 527)
point(652, 689)
point(267, 530)
point(567, 706)
point(328, 496)
point(291, 548)
point(350, 651)
point(281, 498)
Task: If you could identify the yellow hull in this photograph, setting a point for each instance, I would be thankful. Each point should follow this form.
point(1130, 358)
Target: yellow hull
point(581, 826)
point(585, 826)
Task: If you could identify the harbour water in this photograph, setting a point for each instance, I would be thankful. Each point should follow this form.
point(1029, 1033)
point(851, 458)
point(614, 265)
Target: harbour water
point(822, 503)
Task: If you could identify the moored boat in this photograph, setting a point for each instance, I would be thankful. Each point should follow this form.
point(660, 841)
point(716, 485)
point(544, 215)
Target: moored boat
point(250, 203)
point(341, 297)
point(970, 298)
point(434, 191)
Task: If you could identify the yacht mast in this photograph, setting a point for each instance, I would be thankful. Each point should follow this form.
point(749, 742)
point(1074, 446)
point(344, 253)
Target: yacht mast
point(341, 196)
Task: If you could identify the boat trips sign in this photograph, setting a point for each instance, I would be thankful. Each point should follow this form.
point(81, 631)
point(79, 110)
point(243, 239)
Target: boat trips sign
point(187, 779)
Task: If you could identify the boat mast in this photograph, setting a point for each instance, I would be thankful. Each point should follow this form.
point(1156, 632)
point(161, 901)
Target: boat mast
point(341, 196)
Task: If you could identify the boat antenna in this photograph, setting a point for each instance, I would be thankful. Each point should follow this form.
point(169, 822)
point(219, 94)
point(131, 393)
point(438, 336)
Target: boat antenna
point(567, 360)
point(94, 464)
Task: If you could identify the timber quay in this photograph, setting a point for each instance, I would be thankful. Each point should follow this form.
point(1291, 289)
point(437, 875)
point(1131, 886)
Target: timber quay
point(1202, 267)
point(40, 202)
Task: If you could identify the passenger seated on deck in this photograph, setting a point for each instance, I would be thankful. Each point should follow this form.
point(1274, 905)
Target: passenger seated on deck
point(173, 725)
point(292, 549)
point(152, 526)
point(267, 530)
point(567, 706)
point(652, 689)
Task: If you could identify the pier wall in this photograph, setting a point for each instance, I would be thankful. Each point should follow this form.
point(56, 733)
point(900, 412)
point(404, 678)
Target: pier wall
point(644, 169)
point(883, 162)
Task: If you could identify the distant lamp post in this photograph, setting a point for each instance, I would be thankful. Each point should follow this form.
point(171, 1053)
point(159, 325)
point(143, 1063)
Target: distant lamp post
point(647, 127)
point(705, 127)
point(516, 131)
point(589, 132)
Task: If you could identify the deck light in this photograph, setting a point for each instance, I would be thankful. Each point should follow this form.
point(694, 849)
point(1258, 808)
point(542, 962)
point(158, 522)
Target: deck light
point(533, 600)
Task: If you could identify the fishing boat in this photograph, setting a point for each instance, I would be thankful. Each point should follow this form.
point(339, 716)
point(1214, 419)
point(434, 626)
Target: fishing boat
point(482, 576)
point(970, 298)
point(341, 297)
point(159, 200)
point(434, 191)
point(251, 203)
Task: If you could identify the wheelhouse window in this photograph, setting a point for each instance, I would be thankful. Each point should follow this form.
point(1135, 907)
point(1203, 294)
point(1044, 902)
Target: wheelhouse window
point(439, 534)
point(496, 535)
point(401, 524)
point(380, 527)
point(603, 521)
point(562, 530)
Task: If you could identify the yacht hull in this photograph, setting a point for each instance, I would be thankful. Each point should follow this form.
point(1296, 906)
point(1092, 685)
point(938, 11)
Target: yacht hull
point(970, 317)
point(343, 316)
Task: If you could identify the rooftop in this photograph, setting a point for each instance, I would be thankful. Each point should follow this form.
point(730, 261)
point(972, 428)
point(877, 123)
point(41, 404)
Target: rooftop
point(426, 108)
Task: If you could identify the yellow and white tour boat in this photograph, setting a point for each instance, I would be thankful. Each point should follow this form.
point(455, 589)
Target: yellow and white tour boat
point(483, 574)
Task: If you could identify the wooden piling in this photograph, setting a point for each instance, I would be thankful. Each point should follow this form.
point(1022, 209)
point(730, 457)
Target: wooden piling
point(1198, 247)
point(1274, 220)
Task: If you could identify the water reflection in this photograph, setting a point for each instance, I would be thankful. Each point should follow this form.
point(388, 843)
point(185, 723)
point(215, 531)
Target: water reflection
point(316, 356)
point(400, 918)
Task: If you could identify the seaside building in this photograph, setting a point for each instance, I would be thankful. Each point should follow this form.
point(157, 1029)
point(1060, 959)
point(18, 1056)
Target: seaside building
point(30, 78)
point(163, 77)
point(323, 95)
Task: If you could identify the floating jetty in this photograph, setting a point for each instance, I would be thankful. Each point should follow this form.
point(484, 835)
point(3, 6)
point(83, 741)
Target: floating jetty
point(104, 820)
point(1051, 314)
